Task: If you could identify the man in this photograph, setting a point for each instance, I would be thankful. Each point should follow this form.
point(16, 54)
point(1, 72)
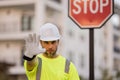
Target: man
point(49, 65)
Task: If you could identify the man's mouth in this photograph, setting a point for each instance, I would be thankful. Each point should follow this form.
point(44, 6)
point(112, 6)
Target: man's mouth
point(49, 51)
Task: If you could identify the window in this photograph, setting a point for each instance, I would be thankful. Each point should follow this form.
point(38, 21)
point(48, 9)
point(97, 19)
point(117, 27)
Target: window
point(27, 22)
point(116, 44)
point(8, 23)
point(116, 49)
point(115, 38)
point(116, 64)
point(58, 1)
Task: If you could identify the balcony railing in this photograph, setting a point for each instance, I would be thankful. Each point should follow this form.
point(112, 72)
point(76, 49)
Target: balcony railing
point(8, 27)
point(13, 26)
point(6, 3)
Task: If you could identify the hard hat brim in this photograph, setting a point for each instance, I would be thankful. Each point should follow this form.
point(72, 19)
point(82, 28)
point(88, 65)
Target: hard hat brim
point(49, 39)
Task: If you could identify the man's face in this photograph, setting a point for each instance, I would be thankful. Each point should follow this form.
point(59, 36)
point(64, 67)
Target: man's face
point(51, 47)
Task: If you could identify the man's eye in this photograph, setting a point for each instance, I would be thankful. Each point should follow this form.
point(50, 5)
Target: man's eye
point(53, 42)
point(46, 42)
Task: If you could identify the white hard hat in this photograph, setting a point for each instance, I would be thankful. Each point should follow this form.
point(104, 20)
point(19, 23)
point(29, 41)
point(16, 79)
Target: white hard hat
point(49, 32)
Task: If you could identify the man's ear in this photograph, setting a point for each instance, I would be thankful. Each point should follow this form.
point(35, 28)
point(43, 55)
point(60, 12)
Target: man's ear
point(40, 41)
point(58, 41)
point(41, 44)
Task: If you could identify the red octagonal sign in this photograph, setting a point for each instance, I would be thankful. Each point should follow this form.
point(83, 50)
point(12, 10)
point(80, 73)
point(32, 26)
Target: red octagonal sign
point(90, 13)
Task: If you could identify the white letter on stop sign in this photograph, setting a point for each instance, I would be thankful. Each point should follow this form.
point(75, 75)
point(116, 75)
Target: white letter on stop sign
point(102, 4)
point(91, 6)
point(77, 6)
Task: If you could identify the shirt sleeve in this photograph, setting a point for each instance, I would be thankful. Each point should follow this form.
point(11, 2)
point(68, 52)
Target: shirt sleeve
point(73, 74)
point(31, 75)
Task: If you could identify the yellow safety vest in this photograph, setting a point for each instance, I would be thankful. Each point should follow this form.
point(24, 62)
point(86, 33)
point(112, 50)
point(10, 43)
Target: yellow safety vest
point(52, 69)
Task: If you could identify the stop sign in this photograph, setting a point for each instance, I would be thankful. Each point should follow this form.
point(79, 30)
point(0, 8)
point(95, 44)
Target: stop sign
point(90, 13)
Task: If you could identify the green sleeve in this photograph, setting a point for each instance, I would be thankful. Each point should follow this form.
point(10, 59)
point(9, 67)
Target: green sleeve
point(73, 74)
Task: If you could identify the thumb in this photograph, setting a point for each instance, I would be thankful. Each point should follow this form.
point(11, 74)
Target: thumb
point(42, 50)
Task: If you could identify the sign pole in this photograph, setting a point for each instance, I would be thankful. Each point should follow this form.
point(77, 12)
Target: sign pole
point(91, 54)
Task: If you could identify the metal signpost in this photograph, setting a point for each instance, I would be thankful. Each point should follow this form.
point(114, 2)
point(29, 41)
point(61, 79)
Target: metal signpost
point(90, 14)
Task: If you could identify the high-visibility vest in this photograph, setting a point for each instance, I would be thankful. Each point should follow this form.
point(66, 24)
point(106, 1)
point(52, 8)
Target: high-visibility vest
point(38, 74)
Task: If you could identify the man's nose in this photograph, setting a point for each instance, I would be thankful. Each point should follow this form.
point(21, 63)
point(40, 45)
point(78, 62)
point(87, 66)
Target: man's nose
point(50, 45)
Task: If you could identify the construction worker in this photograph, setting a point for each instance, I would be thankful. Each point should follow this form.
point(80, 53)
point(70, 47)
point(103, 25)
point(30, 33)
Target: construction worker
point(41, 60)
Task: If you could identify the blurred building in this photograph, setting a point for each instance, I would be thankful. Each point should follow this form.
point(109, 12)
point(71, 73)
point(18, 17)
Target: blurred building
point(18, 18)
point(116, 38)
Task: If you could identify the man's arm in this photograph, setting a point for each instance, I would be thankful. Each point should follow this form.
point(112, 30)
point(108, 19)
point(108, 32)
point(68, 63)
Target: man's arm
point(33, 48)
point(31, 64)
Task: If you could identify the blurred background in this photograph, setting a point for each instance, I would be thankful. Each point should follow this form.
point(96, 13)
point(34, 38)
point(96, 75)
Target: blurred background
point(18, 18)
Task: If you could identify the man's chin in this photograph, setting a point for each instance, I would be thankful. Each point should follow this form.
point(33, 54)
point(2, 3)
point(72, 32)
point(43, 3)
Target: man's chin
point(50, 54)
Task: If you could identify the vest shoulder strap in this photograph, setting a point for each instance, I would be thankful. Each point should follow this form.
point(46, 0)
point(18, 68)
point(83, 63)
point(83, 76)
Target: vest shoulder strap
point(67, 66)
point(38, 74)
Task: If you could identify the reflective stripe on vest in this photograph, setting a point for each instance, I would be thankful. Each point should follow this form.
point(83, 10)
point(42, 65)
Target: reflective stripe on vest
point(38, 74)
point(67, 63)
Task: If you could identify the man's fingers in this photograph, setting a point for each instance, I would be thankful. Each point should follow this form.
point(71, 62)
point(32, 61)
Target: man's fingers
point(38, 39)
point(34, 37)
point(30, 38)
point(27, 40)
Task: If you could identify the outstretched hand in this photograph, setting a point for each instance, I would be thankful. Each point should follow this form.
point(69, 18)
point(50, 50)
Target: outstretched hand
point(33, 46)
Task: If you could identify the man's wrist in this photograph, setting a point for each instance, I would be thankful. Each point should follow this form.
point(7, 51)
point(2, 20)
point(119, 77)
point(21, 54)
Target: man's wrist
point(28, 58)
